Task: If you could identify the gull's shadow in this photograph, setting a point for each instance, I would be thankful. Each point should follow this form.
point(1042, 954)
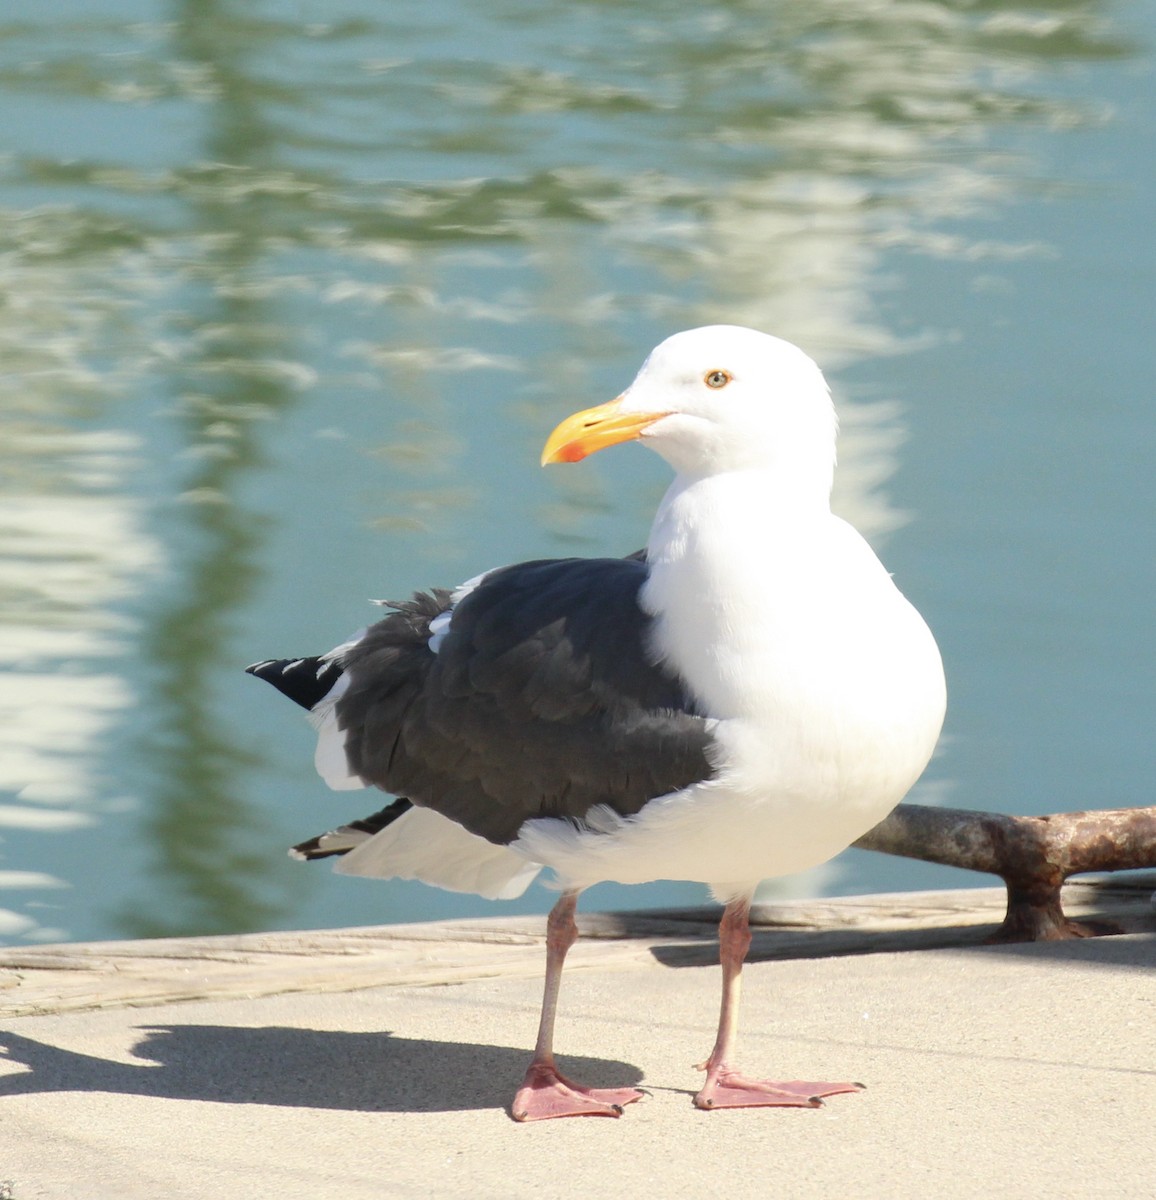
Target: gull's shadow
point(296, 1068)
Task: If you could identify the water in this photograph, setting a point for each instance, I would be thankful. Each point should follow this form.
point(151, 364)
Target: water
point(291, 293)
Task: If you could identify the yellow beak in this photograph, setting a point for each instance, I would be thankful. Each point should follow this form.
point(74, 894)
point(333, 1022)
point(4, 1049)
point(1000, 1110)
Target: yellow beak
point(595, 429)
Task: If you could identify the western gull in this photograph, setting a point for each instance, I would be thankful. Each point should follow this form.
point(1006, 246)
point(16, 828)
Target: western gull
point(741, 700)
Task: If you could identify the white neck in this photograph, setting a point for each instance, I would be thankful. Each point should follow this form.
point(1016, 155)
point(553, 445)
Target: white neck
point(732, 514)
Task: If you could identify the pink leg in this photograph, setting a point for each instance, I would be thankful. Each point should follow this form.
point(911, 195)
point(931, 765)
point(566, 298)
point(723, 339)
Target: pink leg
point(725, 1087)
point(545, 1091)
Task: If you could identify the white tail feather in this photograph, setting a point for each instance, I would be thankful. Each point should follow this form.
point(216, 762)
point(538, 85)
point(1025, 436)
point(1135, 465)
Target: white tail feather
point(424, 845)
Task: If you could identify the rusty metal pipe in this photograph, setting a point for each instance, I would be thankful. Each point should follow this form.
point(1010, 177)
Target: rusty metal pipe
point(1033, 855)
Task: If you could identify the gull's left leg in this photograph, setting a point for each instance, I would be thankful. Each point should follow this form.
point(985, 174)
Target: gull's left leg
point(725, 1087)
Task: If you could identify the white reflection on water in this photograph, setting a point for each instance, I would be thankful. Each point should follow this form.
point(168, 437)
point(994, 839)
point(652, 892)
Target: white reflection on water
point(71, 549)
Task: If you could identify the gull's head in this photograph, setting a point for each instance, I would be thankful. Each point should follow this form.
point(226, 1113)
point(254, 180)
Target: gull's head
point(715, 399)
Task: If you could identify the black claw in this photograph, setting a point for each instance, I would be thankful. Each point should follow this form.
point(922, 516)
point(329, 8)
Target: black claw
point(816, 1101)
point(618, 1109)
point(861, 1086)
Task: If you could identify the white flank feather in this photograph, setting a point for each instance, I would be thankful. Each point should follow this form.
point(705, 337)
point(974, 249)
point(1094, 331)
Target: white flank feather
point(439, 627)
point(329, 758)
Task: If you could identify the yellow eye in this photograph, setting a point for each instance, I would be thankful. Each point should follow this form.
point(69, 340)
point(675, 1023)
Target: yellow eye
point(717, 379)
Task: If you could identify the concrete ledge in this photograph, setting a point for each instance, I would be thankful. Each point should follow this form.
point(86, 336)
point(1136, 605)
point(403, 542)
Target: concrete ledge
point(75, 977)
point(1004, 1071)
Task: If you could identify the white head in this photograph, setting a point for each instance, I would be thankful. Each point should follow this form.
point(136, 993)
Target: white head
point(716, 399)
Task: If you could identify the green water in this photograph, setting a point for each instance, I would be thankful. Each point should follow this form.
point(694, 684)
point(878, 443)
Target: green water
point(291, 293)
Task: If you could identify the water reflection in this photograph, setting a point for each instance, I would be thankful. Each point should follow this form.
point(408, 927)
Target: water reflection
point(210, 863)
point(411, 236)
point(73, 545)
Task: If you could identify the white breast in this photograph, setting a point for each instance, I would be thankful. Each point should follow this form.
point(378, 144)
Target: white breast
point(792, 627)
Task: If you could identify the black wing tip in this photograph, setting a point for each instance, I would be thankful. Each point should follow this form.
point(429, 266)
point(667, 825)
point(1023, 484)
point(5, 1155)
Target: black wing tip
point(306, 681)
point(313, 849)
point(273, 670)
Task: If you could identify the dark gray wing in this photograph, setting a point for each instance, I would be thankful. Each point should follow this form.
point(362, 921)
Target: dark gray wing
point(542, 700)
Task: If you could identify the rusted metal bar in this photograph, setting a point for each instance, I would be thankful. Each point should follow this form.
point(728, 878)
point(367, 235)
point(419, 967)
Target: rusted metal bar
point(1032, 855)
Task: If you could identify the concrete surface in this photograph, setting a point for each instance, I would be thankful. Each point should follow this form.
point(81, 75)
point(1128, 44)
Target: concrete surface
point(1021, 1071)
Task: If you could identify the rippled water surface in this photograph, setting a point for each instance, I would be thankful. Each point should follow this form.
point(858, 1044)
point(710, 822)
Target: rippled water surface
point(291, 293)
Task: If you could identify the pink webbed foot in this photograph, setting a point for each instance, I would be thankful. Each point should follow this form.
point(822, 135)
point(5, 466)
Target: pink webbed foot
point(547, 1093)
point(727, 1088)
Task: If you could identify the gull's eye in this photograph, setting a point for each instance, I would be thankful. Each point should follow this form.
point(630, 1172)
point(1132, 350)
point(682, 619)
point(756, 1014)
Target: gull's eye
point(717, 379)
